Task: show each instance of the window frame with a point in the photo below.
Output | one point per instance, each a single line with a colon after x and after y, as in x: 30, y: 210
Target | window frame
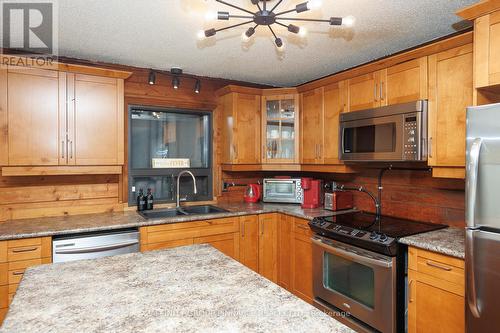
x: 167, y: 172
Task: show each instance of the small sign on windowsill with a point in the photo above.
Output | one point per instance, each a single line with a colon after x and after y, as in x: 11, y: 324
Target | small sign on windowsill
x: 170, y: 163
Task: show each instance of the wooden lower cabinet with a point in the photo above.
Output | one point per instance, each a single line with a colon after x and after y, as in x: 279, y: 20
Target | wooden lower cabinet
x: 249, y: 241
x: 223, y: 234
x: 436, y: 292
x: 15, y: 257
x: 284, y: 250
x: 301, y: 244
x: 268, y: 246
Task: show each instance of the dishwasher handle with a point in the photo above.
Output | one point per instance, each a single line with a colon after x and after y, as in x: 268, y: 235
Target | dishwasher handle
x: 97, y: 248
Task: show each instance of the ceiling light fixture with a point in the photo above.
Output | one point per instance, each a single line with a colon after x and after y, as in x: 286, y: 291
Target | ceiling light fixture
x: 176, y: 72
x: 268, y: 17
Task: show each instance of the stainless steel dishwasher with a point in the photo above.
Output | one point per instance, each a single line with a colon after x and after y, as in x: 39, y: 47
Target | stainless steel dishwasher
x: 94, y: 245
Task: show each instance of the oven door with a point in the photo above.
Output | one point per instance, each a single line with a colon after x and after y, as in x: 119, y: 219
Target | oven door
x: 372, y: 139
x: 282, y: 190
x: 359, y: 282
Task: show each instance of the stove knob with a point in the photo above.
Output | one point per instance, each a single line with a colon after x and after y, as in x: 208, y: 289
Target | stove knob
x: 383, y: 238
x: 373, y: 235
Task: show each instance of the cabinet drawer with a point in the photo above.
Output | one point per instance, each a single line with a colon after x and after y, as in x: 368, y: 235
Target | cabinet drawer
x: 437, y: 265
x: 16, y: 269
x: 24, y: 242
x: 167, y: 233
x: 301, y: 227
x: 24, y: 253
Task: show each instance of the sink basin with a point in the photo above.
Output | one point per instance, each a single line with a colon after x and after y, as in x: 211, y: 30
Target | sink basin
x: 189, y: 210
x: 207, y: 209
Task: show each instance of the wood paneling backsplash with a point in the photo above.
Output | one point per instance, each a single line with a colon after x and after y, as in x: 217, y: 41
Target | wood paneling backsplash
x: 407, y: 194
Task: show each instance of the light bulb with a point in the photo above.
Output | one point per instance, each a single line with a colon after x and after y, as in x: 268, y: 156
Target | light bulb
x: 201, y: 34
x: 211, y: 16
x: 314, y: 4
x: 349, y: 21
x: 302, y: 32
x: 244, y: 37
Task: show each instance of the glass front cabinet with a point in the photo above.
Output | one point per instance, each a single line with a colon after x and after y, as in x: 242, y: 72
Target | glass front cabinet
x: 280, y: 134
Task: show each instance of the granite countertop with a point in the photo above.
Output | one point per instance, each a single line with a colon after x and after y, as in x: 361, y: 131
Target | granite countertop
x: 186, y: 289
x: 449, y: 241
x: 51, y: 226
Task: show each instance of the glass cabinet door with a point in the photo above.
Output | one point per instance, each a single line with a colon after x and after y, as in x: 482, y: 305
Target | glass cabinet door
x: 280, y: 129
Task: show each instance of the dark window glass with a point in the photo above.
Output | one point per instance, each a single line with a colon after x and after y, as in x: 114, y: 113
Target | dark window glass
x: 175, y: 140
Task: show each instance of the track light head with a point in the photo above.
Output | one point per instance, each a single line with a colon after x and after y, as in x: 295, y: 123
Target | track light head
x: 176, y: 83
x: 210, y: 32
x: 335, y: 20
x: 293, y: 28
x: 223, y: 16
x: 197, y: 87
x: 152, y: 77
x: 301, y: 7
x: 279, y: 43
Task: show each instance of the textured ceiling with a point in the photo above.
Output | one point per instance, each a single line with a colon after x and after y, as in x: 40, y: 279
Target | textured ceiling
x: 162, y: 34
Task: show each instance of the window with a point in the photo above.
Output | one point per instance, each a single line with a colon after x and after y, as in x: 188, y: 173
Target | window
x: 163, y: 142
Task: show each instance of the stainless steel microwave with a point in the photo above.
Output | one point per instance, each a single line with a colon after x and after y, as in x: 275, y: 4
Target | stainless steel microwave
x: 286, y: 190
x: 389, y: 133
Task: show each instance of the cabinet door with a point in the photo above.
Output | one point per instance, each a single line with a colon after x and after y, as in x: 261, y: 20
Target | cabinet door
x: 432, y: 309
x: 225, y: 243
x: 249, y: 241
x: 364, y: 92
x: 284, y: 250
x: 450, y: 92
x: 312, y: 126
x: 246, y: 134
x: 487, y: 50
x: 34, y: 109
x: 268, y: 246
x: 335, y: 99
x: 96, y: 135
x: 406, y: 82
x: 302, y: 260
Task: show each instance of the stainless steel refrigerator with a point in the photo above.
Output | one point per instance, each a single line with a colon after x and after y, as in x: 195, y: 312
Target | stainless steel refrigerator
x: 482, y: 241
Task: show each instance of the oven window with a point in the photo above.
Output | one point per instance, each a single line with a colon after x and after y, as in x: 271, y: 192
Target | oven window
x: 370, y: 139
x: 349, y: 278
x: 280, y: 190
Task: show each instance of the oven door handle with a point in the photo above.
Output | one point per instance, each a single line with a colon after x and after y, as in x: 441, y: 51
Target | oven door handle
x: 351, y: 255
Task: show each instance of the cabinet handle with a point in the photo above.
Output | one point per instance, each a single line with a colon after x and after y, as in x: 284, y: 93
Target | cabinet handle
x: 444, y: 268
x: 320, y: 148
x: 71, y: 149
x: 18, y: 273
x: 263, y: 152
x: 25, y: 250
x: 243, y: 230
x: 429, y: 149
x: 262, y: 229
x: 375, y: 92
x: 300, y: 226
x: 382, y: 91
x: 62, y: 148
x: 410, y: 298
x: 235, y: 152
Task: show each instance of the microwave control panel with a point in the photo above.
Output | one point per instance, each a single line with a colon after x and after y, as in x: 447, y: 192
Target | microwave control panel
x: 411, y: 141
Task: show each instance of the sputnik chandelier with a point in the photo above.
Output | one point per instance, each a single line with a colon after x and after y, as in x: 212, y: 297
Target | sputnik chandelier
x: 270, y: 17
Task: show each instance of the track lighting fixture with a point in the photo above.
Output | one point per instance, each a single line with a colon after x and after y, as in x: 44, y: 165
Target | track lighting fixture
x: 152, y: 77
x: 269, y: 17
x: 197, y: 86
x: 176, y: 72
x: 176, y: 82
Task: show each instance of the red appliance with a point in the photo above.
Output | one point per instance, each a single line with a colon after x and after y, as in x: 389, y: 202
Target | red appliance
x: 252, y: 193
x: 313, y: 193
x: 339, y: 200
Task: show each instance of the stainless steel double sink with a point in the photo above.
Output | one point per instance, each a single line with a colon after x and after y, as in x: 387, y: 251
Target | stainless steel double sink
x: 184, y: 211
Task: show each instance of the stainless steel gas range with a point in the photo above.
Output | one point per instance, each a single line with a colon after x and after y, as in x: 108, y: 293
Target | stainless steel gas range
x: 359, y: 268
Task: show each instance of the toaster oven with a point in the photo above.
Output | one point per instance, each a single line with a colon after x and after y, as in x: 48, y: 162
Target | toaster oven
x: 286, y: 190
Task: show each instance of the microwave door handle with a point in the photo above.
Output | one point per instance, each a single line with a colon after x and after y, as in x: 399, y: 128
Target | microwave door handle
x: 353, y: 256
x: 471, y: 182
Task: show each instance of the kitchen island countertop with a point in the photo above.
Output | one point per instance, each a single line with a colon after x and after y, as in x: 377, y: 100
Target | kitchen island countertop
x: 187, y: 289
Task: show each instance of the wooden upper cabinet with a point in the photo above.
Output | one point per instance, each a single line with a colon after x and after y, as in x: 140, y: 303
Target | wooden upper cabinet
x: 34, y: 110
x: 405, y: 82
x: 487, y: 50
x: 335, y: 99
x: 312, y: 126
x: 450, y: 92
x: 241, y: 125
x: 364, y: 91
x: 53, y: 118
x: 96, y: 130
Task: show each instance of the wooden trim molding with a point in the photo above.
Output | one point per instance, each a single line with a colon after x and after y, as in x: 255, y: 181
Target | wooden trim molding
x: 238, y: 89
x: 481, y: 8
x: 60, y: 170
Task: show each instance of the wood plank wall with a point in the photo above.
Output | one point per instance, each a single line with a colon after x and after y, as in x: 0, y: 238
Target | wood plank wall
x: 32, y: 197
x: 406, y: 194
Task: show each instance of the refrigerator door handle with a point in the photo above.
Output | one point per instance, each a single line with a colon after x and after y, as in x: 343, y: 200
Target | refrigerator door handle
x: 471, y: 183
x: 471, y: 280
